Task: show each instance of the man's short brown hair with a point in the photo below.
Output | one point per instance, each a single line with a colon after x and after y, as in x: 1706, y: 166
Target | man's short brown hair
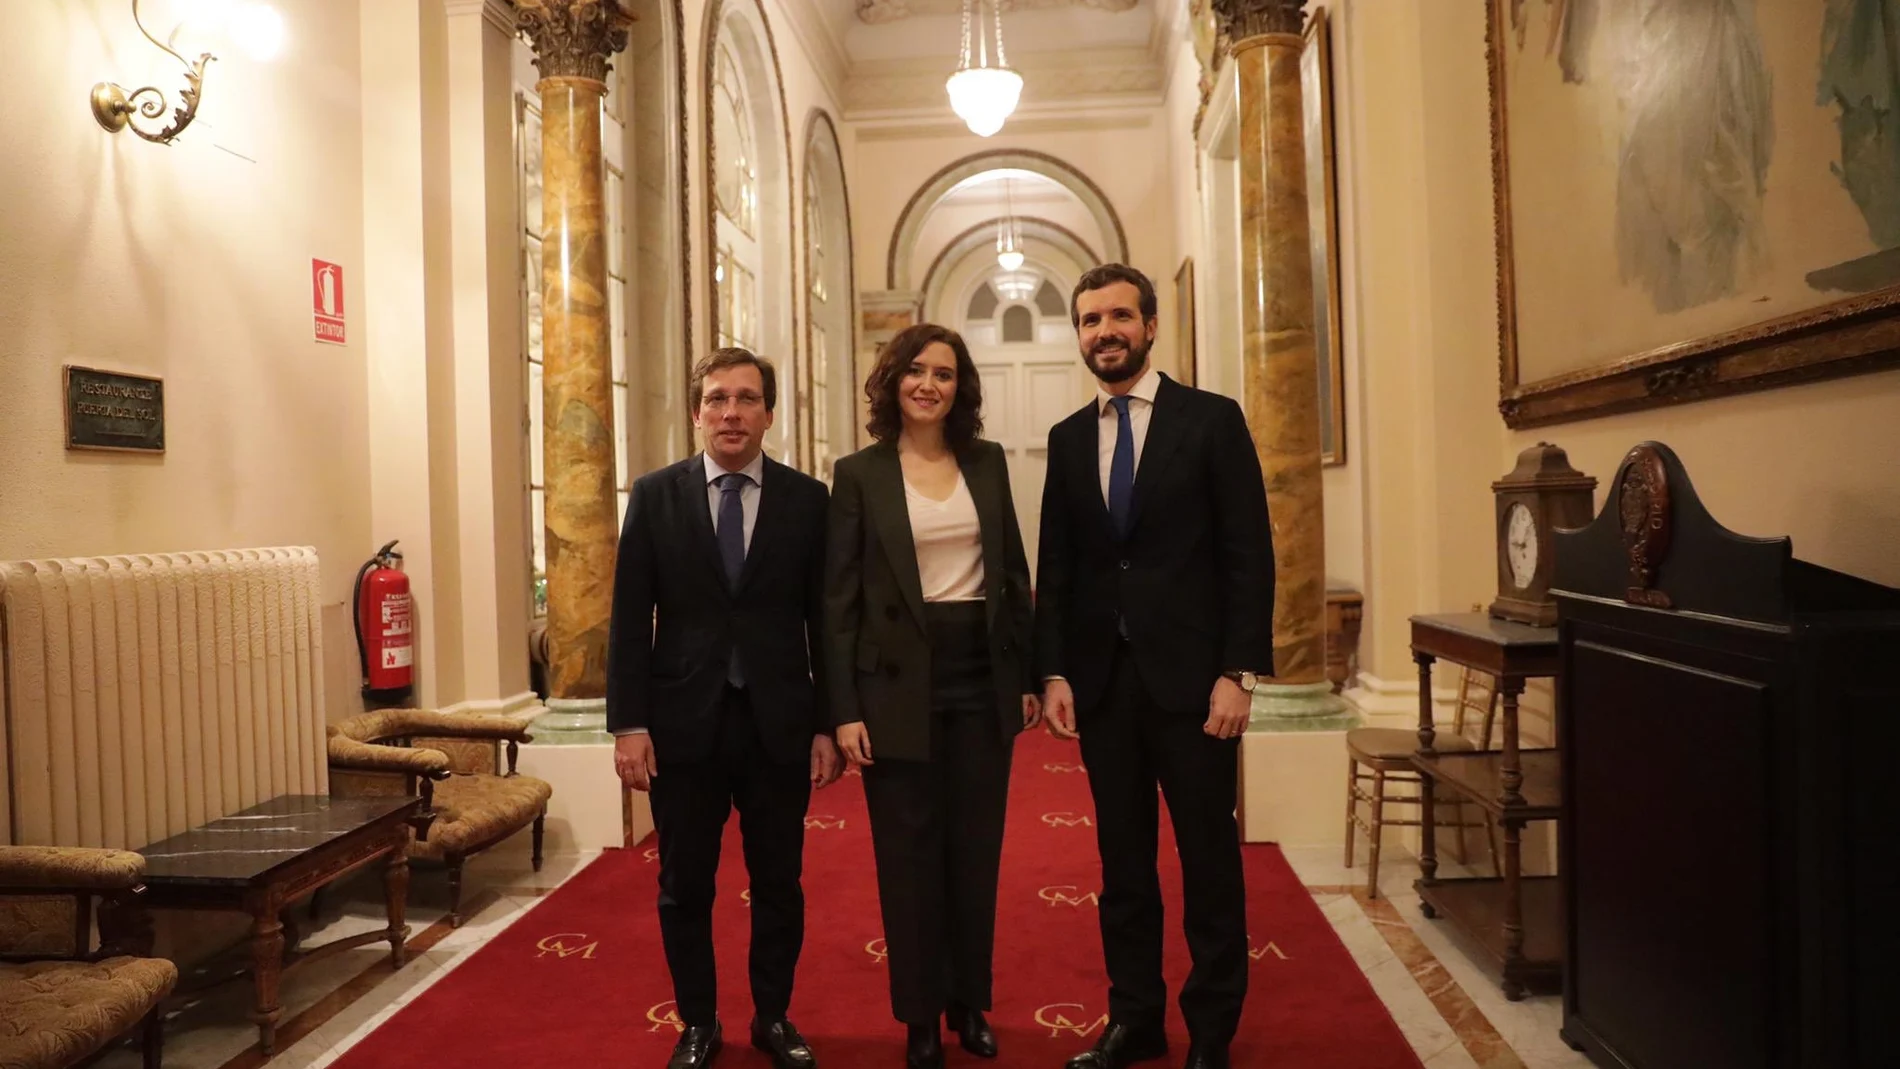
x: 733, y: 356
x: 1107, y: 275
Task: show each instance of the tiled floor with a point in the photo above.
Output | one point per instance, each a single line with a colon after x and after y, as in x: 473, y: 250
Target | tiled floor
x: 1448, y: 1007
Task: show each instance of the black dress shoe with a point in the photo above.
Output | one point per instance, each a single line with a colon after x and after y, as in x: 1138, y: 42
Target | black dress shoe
x: 696, y: 1047
x: 1208, y: 1057
x: 1122, y: 1045
x: 924, y: 1048
x: 782, y: 1041
x: 973, y: 1032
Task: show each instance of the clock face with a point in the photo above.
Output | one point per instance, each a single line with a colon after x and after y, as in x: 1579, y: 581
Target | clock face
x: 1520, y: 544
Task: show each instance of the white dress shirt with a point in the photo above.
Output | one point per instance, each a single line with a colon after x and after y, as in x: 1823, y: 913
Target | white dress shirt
x: 1140, y: 411
x: 748, y: 494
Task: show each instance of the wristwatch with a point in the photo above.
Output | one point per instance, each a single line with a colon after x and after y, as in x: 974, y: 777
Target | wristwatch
x: 1247, y: 681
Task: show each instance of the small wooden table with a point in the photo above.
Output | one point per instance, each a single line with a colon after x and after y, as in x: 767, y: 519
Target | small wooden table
x: 1517, y: 920
x: 261, y: 860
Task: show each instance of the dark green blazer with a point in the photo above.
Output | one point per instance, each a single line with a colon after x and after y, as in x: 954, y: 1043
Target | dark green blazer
x: 877, y: 648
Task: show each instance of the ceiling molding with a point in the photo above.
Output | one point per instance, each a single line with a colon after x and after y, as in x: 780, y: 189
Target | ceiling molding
x: 892, y: 87
x: 877, y: 12
x: 821, y: 45
x: 1065, y: 121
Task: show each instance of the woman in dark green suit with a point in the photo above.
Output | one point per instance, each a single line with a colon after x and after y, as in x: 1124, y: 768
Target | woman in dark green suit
x: 927, y: 627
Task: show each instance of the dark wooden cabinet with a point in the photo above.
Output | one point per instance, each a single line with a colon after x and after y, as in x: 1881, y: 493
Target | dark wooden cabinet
x: 1726, y: 715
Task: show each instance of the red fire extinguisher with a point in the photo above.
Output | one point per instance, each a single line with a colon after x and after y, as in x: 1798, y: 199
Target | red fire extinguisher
x: 385, y: 635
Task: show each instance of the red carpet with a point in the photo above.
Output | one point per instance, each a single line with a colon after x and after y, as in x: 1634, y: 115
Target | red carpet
x: 581, y: 980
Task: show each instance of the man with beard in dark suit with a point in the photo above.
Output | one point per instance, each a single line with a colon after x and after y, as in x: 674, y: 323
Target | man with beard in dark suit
x: 1154, y: 621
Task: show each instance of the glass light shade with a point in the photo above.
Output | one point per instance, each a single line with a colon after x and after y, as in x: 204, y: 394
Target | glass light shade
x: 258, y: 30
x: 1016, y: 285
x: 1009, y: 261
x: 983, y: 97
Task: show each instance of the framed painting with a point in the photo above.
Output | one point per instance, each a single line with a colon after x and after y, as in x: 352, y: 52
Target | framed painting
x: 1184, y: 344
x: 1691, y: 199
x: 1322, y: 217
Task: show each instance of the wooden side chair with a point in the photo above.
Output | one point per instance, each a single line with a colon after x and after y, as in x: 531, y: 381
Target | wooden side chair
x: 1384, y: 757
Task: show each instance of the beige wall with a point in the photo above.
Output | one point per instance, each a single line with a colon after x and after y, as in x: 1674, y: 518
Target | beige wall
x: 190, y: 262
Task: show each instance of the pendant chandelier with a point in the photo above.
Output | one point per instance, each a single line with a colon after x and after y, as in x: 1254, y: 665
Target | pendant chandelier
x: 1009, y: 236
x: 1016, y: 285
x: 982, y: 94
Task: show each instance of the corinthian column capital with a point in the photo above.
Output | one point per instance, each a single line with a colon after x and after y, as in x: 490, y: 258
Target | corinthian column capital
x: 574, y: 38
x: 1241, y: 19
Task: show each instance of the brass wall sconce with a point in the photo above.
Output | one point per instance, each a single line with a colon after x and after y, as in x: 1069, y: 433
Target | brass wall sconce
x: 255, y: 28
x: 115, y: 108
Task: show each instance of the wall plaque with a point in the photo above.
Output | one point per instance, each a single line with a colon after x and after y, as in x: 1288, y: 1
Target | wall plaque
x: 111, y: 410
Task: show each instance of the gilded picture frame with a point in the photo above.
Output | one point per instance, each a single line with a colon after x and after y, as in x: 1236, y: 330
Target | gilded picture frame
x: 1678, y: 224
x: 1322, y: 213
x: 1186, y: 349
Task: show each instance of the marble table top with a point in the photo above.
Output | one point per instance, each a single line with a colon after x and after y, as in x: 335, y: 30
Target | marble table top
x: 243, y: 846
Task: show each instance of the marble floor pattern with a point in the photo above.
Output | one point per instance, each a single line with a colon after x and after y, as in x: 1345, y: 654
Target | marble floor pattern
x: 1444, y: 1002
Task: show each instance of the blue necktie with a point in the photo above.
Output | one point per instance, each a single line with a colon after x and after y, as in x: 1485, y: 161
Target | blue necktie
x: 731, y: 539
x: 1121, y: 469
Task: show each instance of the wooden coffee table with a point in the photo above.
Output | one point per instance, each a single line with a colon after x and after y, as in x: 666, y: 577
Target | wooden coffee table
x: 261, y: 860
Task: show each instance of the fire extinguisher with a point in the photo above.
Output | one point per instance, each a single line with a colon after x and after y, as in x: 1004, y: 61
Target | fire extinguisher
x: 385, y: 628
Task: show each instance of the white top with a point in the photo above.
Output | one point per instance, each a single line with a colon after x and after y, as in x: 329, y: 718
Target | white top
x: 748, y: 494
x: 1140, y: 410
x: 949, y: 541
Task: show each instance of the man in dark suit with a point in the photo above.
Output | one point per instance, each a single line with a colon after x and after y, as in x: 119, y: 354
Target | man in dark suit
x: 714, y: 688
x: 1154, y: 620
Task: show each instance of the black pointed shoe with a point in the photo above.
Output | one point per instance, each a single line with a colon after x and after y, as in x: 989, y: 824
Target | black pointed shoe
x: 782, y: 1041
x: 696, y: 1047
x: 1206, y: 1057
x: 973, y: 1032
x: 924, y: 1048
x: 1122, y: 1045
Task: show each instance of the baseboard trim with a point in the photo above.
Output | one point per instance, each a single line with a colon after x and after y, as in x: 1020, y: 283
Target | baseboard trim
x: 514, y: 703
x: 1390, y: 703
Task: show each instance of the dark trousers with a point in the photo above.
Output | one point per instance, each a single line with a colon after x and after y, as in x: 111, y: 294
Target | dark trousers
x: 690, y: 805
x: 937, y: 831
x: 1130, y: 744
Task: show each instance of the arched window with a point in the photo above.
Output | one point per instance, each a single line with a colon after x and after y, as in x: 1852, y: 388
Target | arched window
x: 983, y: 303
x: 1049, y: 302
x: 736, y: 192
x: 1019, y: 325
x: 737, y: 184
x: 751, y: 210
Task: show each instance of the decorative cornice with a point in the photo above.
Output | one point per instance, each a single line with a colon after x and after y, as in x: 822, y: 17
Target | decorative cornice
x: 880, y: 87
x: 1241, y: 19
x: 499, y: 13
x: 574, y: 38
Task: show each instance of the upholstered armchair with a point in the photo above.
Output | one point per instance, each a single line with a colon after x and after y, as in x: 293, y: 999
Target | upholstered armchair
x: 452, y: 761
x: 61, y: 1001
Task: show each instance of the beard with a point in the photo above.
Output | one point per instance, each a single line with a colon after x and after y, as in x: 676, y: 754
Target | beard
x: 1133, y: 364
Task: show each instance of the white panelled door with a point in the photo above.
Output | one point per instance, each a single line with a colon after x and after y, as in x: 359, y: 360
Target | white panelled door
x: 1028, y: 389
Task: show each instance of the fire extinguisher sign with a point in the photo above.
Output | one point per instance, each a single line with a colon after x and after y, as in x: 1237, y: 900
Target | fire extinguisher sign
x: 326, y: 300
x: 398, y: 634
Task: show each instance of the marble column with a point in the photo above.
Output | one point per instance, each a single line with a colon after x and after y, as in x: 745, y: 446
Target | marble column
x: 1280, y: 371
x: 574, y: 41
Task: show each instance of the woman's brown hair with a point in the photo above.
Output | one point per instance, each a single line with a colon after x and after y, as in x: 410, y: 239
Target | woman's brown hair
x: 963, y: 425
